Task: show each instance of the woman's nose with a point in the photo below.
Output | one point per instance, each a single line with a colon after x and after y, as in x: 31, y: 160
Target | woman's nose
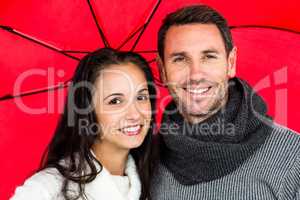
x: 132, y: 113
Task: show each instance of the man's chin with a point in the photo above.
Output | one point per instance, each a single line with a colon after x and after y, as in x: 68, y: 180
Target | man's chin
x: 195, y: 110
x: 203, y: 109
x: 197, y: 113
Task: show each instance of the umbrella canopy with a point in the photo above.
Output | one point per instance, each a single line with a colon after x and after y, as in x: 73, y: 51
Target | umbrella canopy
x: 42, y: 41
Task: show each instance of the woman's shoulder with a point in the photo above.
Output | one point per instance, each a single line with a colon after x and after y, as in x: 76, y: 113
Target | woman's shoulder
x: 43, y: 185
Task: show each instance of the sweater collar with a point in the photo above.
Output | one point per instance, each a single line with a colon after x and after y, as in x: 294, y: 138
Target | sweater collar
x: 105, y: 178
x: 211, y: 149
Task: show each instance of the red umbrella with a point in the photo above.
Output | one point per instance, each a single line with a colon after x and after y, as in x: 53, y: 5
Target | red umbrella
x: 41, y: 42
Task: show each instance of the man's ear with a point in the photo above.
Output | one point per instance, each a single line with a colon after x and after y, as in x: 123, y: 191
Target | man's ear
x: 162, y: 72
x: 231, y: 71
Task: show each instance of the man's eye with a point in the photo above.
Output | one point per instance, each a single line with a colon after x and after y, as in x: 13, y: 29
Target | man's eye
x: 179, y: 59
x: 142, y: 97
x: 210, y: 57
x: 115, y: 101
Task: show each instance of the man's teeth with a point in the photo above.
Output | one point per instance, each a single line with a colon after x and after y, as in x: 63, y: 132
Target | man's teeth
x: 131, y: 129
x: 198, y: 91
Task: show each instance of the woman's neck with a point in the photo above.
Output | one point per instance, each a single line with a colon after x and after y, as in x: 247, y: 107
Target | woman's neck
x: 112, y: 158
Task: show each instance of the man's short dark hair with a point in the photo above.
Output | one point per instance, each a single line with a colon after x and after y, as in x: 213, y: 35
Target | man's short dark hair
x: 201, y: 14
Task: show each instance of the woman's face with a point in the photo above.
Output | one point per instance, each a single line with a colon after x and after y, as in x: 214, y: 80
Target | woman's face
x: 122, y: 106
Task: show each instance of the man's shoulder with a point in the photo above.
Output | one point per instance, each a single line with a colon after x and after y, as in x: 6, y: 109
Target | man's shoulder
x: 283, y: 142
x: 288, y: 146
x: 286, y: 134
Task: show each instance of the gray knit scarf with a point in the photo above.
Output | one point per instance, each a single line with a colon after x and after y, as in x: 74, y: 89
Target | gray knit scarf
x: 203, y: 152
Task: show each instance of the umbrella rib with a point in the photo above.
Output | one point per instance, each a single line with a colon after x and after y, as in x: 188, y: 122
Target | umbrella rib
x: 265, y: 26
x: 73, y: 51
x: 36, y: 41
x: 146, y: 24
x: 130, y: 37
x: 104, y: 40
x: 151, y: 61
x: 37, y: 91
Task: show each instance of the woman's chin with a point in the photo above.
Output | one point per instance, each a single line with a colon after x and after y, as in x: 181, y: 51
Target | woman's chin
x: 133, y: 141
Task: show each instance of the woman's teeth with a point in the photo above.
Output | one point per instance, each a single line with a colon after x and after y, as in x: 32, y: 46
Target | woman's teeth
x: 131, y: 129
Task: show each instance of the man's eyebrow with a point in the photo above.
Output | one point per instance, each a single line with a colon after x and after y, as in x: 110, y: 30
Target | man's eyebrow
x: 182, y: 53
x: 208, y: 51
x: 114, y: 94
x: 177, y: 54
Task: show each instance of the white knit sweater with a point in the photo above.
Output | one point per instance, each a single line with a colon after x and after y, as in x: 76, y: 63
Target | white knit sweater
x: 46, y: 185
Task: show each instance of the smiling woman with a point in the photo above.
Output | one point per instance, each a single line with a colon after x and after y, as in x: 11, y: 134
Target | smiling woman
x: 123, y: 113
x: 102, y: 145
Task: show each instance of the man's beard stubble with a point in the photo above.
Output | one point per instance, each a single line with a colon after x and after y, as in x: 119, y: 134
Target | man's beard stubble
x: 220, y: 99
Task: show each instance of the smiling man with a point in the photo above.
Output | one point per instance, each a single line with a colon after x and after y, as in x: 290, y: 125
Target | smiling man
x: 216, y: 140
x: 197, y: 69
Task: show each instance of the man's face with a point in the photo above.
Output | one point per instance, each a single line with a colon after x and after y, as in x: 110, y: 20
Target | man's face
x: 196, y: 69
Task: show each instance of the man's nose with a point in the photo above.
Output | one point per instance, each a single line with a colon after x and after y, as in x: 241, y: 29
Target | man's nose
x: 196, y: 70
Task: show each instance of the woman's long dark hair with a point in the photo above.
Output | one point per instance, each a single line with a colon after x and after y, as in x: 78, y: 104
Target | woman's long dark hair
x: 73, y: 145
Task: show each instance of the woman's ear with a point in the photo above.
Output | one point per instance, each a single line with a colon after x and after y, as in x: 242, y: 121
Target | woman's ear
x: 231, y: 71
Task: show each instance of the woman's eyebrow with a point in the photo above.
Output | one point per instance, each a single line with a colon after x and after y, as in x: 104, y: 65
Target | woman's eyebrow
x: 114, y: 94
x: 142, y: 90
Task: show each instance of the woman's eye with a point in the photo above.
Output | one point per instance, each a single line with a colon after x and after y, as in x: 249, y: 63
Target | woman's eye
x: 142, y: 97
x: 115, y: 101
